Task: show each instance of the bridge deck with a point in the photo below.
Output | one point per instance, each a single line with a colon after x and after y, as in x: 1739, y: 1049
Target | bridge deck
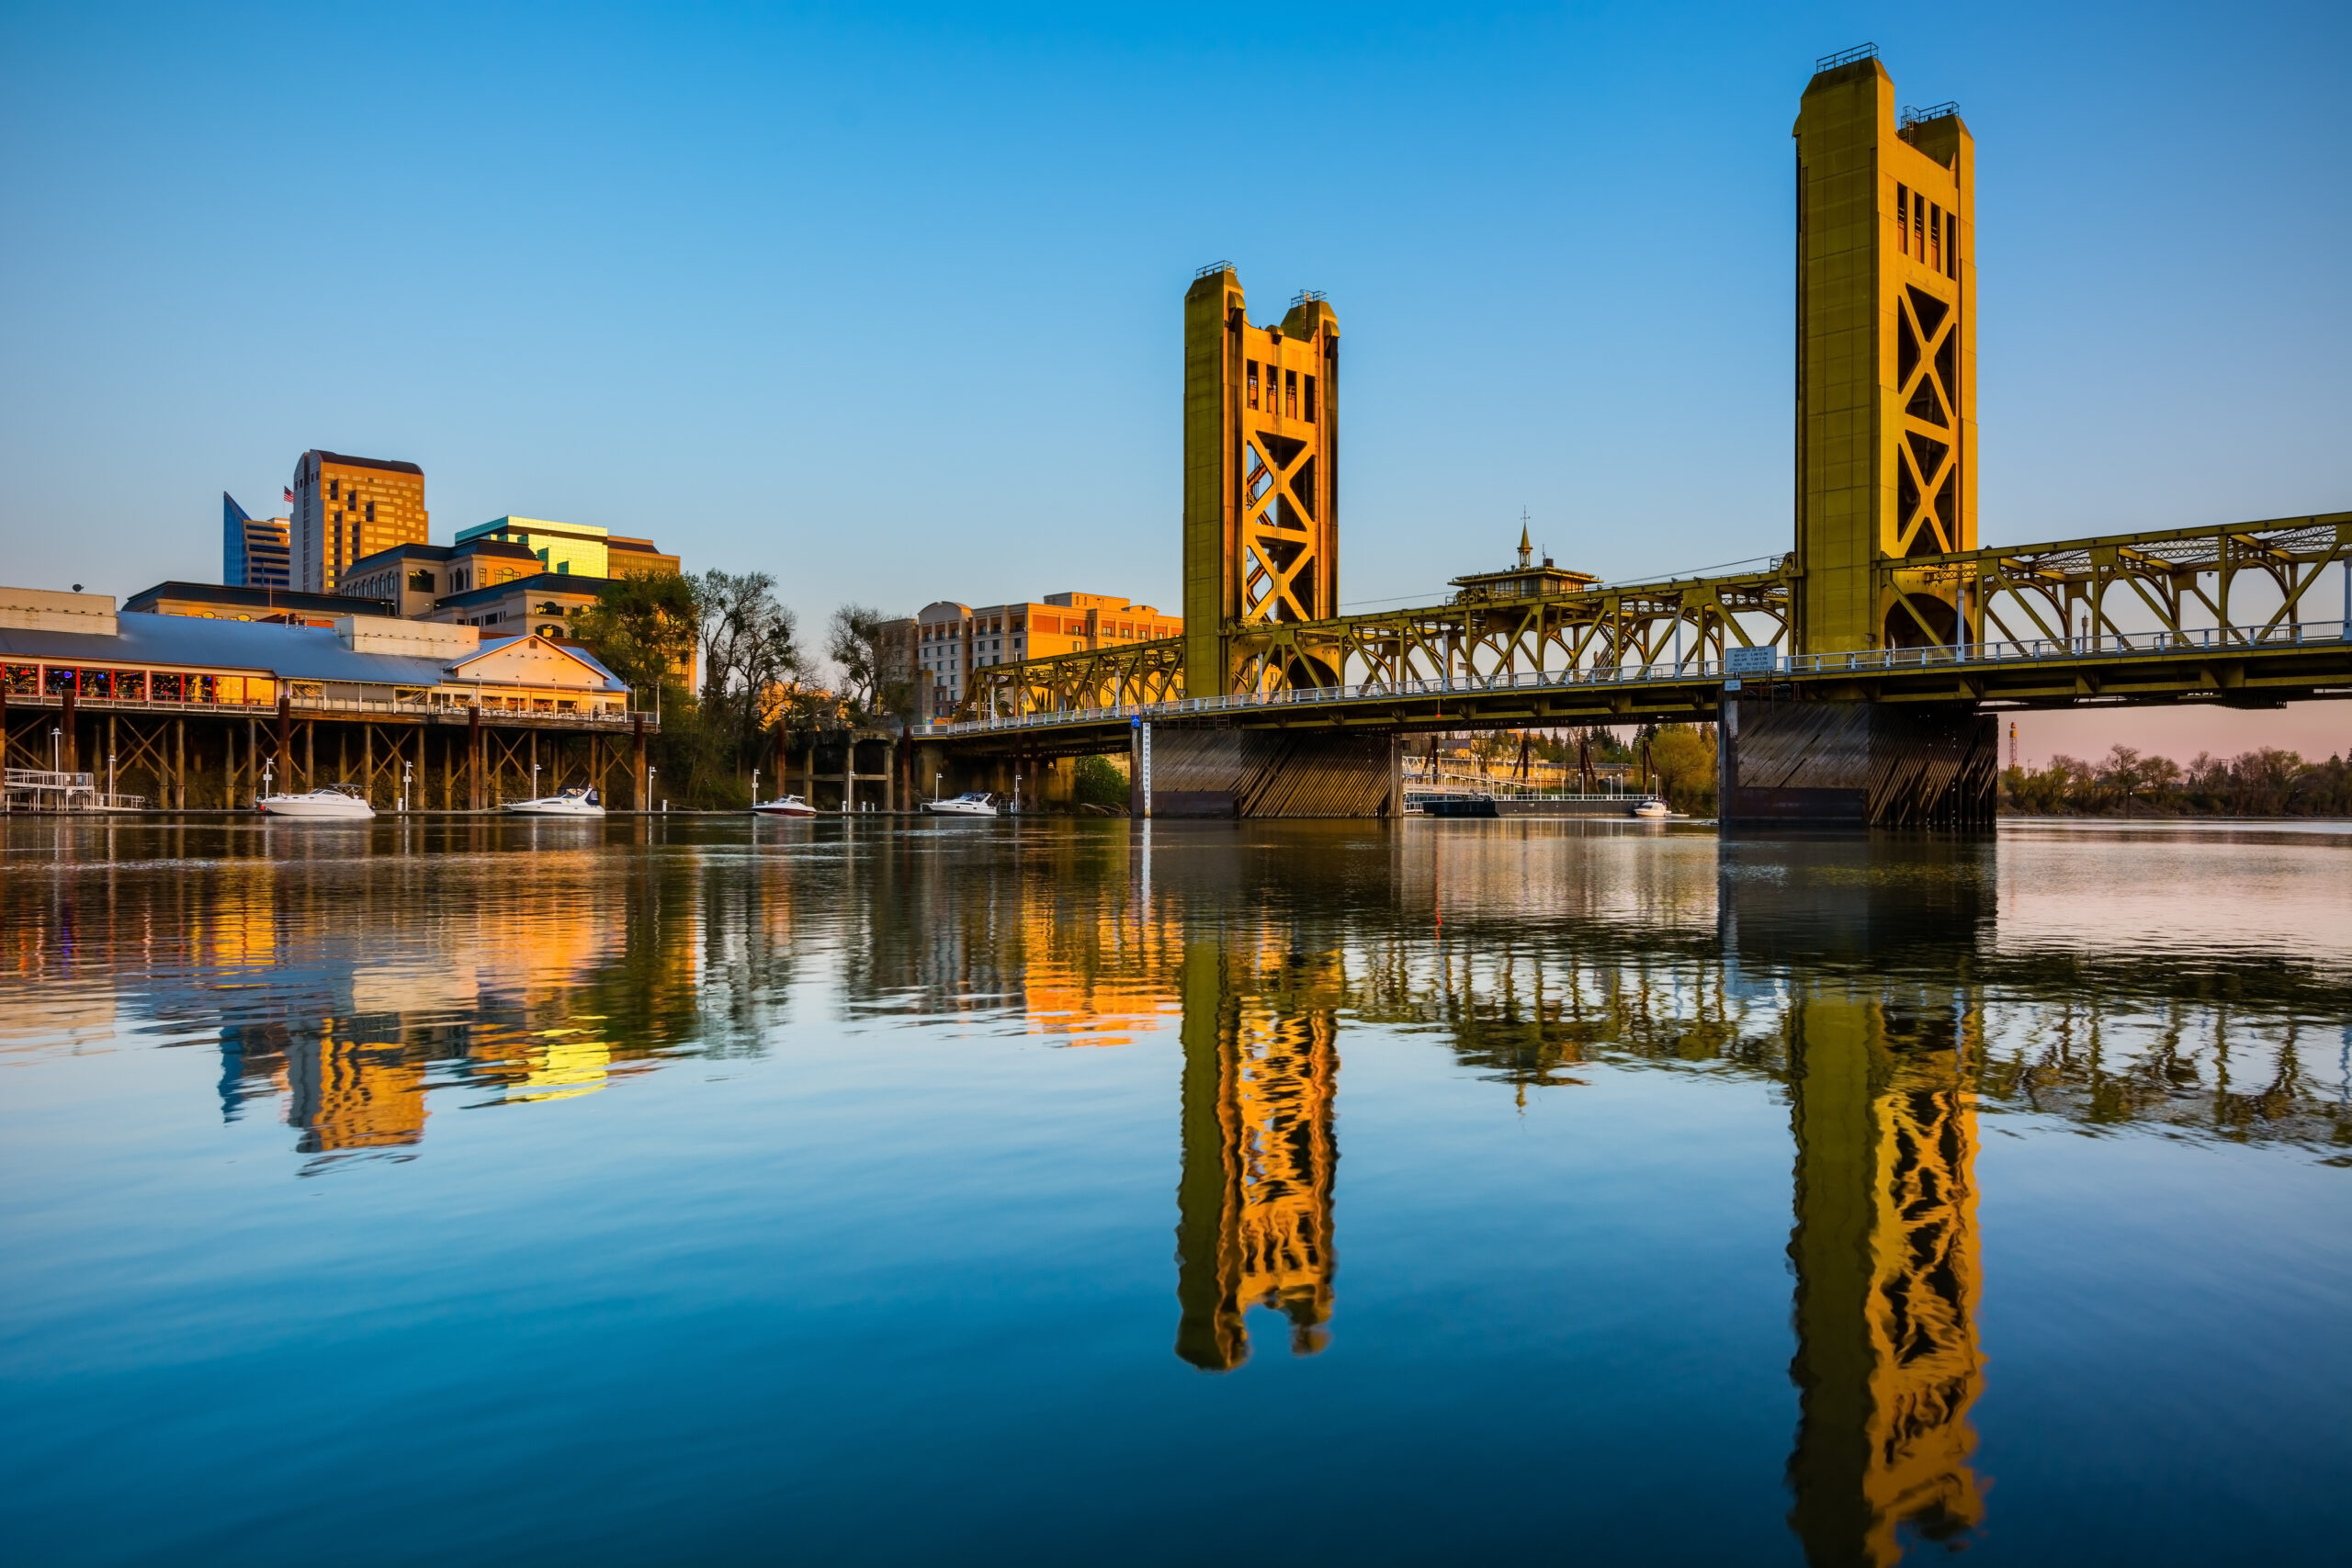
x: 2219, y: 665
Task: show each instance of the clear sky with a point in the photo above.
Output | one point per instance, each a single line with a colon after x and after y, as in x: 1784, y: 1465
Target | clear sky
x: 888, y: 301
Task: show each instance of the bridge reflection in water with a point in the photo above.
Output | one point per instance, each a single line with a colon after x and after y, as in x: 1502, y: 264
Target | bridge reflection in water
x: 1261, y: 1070
x: 361, y: 981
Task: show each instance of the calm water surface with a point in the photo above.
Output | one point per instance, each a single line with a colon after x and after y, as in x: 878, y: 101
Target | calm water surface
x: 845, y: 1193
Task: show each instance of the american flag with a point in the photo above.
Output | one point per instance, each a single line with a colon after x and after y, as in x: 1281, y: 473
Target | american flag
x: 290, y: 495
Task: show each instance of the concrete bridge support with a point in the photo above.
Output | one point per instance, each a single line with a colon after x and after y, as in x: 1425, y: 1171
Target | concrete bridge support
x: 1857, y: 765
x: 1185, y: 771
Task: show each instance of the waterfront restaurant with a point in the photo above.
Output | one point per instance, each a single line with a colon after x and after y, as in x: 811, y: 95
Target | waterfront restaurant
x: 75, y: 646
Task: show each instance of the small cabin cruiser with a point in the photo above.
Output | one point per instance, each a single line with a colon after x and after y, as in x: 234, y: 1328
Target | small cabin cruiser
x: 1652, y: 806
x: 335, y: 804
x: 783, y: 806
x: 578, y: 801
x: 972, y: 803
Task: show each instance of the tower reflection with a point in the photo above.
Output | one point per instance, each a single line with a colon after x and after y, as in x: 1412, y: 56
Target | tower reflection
x: 1885, y: 1238
x: 1261, y: 1073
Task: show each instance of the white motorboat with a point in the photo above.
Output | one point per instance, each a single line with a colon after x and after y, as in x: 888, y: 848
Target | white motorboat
x: 578, y: 801
x: 1652, y: 806
x: 972, y: 803
x: 330, y: 804
x: 783, y: 806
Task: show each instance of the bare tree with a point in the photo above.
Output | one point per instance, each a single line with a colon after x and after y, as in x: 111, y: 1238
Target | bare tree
x: 875, y: 676
x: 751, y: 651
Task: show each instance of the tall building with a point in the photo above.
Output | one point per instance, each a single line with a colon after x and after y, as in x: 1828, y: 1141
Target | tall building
x: 346, y: 508
x: 1887, y: 359
x: 253, y: 550
x: 953, y: 639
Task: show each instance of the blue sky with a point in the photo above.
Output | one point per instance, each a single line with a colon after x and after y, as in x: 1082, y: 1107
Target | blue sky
x: 887, y: 301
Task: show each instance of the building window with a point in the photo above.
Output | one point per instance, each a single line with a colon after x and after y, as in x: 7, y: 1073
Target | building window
x: 1253, y: 383
x: 371, y: 512
x: 1310, y: 400
x: 1290, y: 394
x: 1903, y: 219
x: 334, y: 490
x: 421, y: 582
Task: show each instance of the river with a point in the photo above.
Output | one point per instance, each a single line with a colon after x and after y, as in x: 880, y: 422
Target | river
x: 860, y: 1191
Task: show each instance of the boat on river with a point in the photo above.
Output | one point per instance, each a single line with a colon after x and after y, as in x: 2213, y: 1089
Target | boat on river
x: 972, y: 803
x: 335, y: 803
x: 1651, y: 806
x: 783, y: 806
x: 579, y: 801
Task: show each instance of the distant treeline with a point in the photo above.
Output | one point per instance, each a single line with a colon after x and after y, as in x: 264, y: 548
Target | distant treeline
x: 2267, y: 783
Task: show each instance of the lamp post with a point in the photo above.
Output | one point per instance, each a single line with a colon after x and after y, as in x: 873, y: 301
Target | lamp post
x: 268, y: 771
x: 534, y: 776
x: 755, y: 786
x: 650, y: 774
x: 56, y: 749
x: 109, y: 778
x: 934, y: 783
x: 407, y: 768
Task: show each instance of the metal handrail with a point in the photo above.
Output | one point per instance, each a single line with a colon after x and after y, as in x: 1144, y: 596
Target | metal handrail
x: 618, y: 718
x: 2098, y: 645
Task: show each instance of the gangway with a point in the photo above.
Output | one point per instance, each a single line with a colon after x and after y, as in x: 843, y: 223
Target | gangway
x: 39, y: 789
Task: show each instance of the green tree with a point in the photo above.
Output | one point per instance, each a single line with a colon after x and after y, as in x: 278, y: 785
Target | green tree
x: 644, y: 629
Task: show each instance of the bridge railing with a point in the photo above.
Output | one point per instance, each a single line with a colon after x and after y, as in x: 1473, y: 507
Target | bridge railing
x: 1694, y: 671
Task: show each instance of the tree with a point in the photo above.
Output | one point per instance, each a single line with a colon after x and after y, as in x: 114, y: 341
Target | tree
x: 751, y: 654
x: 874, y: 677
x: 644, y: 628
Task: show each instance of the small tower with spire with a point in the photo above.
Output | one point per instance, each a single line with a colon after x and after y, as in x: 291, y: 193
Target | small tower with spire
x: 1529, y: 579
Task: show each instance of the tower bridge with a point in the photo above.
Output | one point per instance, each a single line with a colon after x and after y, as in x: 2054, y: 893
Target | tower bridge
x: 1855, y: 681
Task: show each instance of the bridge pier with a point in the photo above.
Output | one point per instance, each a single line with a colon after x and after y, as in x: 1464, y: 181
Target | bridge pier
x: 1856, y: 766
x: 1200, y: 771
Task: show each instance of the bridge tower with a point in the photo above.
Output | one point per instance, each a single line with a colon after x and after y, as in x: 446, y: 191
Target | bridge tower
x: 1886, y: 362
x: 1261, y: 493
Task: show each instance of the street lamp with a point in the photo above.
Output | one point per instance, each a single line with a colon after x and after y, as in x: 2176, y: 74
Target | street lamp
x: 407, y: 768
x: 56, y: 749
x: 109, y: 777
x: 650, y: 770
x: 535, y: 780
x: 268, y: 771
x: 755, y: 786
x: 934, y: 783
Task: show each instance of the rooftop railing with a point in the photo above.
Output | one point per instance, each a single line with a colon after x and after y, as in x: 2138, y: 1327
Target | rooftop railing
x: 1747, y: 663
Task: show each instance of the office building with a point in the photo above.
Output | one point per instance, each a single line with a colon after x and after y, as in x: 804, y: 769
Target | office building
x: 953, y: 639
x: 231, y: 601
x: 416, y: 578
x: 508, y: 575
x: 346, y: 509
x: 574, y: 549
x: 254, y: 550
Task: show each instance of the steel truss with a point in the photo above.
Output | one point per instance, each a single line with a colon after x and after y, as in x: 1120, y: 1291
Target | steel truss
x: 2246, y: 582
x: 2239, y: 586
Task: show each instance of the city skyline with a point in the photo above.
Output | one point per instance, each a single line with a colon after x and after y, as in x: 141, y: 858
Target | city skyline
x: 770, y: 319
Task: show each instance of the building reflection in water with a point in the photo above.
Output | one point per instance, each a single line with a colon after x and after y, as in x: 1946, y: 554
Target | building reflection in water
x: 1262, y: 1074
x: 1884, y: 1243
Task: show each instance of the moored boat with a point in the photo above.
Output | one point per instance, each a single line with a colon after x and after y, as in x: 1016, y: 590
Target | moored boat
x: 578, y: 801
x: 1651, y: 806
x: 783, y: 806
x: 972, y: 803
x: 333, y: 804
